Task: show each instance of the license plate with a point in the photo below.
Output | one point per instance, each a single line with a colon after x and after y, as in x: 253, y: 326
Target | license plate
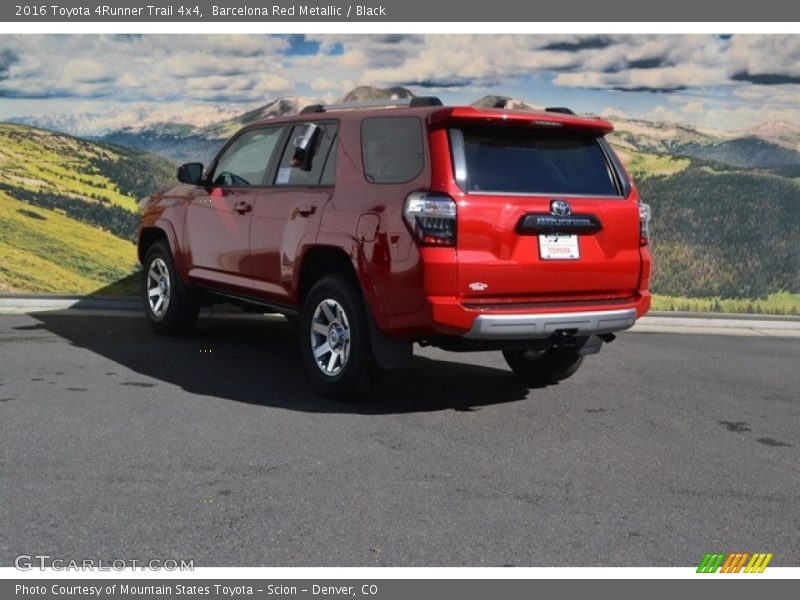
x: 559, y: 247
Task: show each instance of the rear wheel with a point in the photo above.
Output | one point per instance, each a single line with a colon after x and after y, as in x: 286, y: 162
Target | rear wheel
x: 334, y: 341
x: 542, y: 367
x: 167, y: 303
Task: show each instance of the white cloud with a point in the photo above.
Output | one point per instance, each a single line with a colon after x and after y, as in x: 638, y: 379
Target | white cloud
x: 694, y: 107
x: 771, y: 95
x: 154, y: 67
x: 657, y: 79
x: 331, y: 85
x: 765, y: 55
x: 720, y: 117
x: 723, y: 77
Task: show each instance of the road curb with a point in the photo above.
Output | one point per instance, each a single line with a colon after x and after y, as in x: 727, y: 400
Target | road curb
x: 67, y: 301
x: 713, y: 326
x: 654, y: 322
x: 20, y: 303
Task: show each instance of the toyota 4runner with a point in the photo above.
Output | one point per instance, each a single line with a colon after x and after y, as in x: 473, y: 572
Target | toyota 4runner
x: 374, y: 226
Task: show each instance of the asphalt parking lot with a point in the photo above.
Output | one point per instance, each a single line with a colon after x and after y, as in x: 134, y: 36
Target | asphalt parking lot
x: 120, y: 444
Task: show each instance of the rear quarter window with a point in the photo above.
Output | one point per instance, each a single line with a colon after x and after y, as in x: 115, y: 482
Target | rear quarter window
x: 391, y: 149
x: 522, y: 160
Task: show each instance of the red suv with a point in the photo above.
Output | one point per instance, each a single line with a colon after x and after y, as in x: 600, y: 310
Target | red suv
x: 376, y: 226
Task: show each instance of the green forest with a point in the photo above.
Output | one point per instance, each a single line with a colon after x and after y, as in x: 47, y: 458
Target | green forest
x: 725, y: 233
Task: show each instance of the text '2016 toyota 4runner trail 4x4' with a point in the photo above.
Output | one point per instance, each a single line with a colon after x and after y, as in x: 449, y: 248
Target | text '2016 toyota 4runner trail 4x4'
x: 376, y: 226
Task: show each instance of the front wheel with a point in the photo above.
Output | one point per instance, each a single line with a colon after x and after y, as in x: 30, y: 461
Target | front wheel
x: 167, y: 303
x: 334, y: 341
x: 543, y: 367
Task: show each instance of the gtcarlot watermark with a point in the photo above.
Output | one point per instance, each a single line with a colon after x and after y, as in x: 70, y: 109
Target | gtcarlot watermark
x: 29, y: 562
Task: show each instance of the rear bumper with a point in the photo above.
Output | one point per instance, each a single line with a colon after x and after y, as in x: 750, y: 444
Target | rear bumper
x: 450, y: 317
x: 538, y: 326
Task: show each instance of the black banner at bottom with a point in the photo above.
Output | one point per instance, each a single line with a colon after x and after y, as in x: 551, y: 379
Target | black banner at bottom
x: 390, y: 589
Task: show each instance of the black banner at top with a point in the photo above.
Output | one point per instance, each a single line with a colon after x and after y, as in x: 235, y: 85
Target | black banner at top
x: 393, y: 11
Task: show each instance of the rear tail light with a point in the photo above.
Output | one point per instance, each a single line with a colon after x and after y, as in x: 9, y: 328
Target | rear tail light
x: 431, y: 218
x: 644, y: 224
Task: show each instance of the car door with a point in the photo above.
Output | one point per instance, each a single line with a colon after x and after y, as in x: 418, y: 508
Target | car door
x: 218, y: 218
x: 286, y: 216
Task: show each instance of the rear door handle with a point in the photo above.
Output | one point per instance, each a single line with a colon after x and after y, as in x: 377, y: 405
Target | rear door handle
x: 242, y: 207
x: 306, y: 211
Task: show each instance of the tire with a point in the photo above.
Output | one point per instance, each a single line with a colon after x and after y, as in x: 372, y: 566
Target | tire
x: 334, y: 341
x: 543, y: 367
x: 168, y: 305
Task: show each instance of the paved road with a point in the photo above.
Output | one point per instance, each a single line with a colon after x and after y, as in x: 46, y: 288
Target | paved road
x: 115, y: 443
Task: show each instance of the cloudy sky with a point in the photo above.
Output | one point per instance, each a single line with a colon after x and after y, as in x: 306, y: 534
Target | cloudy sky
x: 715, y: 81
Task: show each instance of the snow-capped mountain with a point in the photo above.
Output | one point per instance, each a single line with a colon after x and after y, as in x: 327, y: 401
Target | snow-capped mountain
x: 658, y: 137
x: 184, y: 141
x: 281, y: 107
x: 781, y: 133
x: 98, y: 124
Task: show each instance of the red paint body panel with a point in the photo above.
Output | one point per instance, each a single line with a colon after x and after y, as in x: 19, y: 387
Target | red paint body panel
x: 285, y: 220
x: 217, y: 237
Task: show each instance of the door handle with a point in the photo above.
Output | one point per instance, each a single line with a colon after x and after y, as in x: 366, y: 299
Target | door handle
x: 242, y: 207
x: 306, y: 211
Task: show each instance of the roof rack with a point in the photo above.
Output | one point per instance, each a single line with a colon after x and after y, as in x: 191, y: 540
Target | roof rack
x: 410, y: 102
x: 560, y: 109
x: 503, y: 103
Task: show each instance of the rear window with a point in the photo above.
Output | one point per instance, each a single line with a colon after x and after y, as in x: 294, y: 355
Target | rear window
x: 522, y: 160
x: 392, y: 149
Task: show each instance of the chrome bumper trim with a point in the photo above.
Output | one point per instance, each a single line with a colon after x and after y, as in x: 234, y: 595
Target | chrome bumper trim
x: 537, y: 326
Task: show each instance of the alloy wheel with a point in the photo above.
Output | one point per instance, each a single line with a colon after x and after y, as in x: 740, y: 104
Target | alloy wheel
x: 158, y: 287
x: 330, y: 337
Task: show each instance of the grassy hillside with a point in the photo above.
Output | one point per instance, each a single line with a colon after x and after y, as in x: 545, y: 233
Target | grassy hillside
x: 68, y: 210
x: 45, y: 251
x: 643, y: 165
x: 779, y: 303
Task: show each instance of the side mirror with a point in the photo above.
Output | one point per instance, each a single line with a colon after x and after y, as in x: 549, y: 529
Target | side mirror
x: 191, y: 173
x: 304, y: 147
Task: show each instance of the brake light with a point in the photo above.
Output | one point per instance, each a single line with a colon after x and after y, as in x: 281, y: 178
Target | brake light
x: 431, y: 218
x: 644, y: 224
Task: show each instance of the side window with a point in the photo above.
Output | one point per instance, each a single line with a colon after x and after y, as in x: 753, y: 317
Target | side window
x: 291, y: 174
x: 391, y: 148
x: 329, y: 172
x: 245, y: 161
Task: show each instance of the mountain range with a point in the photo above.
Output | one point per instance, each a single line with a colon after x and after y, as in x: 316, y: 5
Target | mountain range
x: 99, y: 123
x: 199, y: 131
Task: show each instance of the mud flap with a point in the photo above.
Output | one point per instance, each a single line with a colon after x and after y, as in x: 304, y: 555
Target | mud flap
x: 389, y: 352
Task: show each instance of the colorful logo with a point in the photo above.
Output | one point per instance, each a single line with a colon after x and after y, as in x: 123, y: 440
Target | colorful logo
x: 734, y: 563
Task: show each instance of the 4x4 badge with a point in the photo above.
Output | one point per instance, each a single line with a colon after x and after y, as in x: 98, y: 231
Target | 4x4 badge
x: 560, y: 208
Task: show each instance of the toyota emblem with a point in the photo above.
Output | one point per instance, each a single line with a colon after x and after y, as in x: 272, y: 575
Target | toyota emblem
x: 560, y: 208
